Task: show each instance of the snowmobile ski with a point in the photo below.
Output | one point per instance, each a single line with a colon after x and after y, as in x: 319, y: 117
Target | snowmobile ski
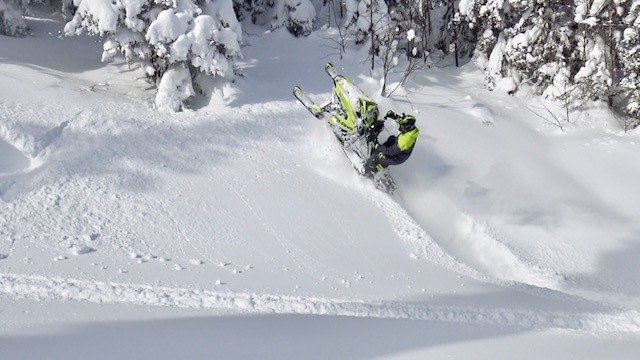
x: 331, y: 71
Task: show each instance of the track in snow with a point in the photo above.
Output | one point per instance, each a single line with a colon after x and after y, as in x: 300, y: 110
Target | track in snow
x: 48, y: 288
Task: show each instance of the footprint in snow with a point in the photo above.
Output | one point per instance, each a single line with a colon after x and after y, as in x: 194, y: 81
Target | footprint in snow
x: 482, y: 113
x: 81, y: 249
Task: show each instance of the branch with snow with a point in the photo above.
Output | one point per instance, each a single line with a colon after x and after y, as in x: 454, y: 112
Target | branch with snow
x: 11, y: 22
x: 296, y: 15
x: 180, y: 37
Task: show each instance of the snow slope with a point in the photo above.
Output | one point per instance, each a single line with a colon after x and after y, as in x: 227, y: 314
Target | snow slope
x: 238, y: 229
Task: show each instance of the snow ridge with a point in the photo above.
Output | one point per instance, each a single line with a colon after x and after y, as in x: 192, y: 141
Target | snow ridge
x: 416, y: 240
x: 42, y: 288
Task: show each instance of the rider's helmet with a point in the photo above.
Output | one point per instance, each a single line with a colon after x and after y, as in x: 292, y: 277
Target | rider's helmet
x: 367, y: 111
x: 407, y: 122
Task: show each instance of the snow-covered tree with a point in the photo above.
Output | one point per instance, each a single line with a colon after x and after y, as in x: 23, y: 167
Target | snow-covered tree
x: 596, y: 78
x: 11, y: 21
x: 350, y: 12
x: 527, y: 41
x: 485, y: 17
x: 175, y: 88
x: 178, y: 39
x: 612, y: 54
x: 544, y: 46
x: 241, y: 7
x: 296, y: 15
x: 427, y: 26
x: 578, y: 49
x: 259, y: 9
x: 413, y: 23
x: 256, y: 10
x: 629, y: 52
x: 371, y: 21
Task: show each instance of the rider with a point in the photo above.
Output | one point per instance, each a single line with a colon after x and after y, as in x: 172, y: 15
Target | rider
x: 396, y: 149
x: 360, y: 112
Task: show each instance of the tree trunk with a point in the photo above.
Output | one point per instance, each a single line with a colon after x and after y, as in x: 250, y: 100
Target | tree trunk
x: 426, y: 28
x: 372, y: 34
x: 455, y: 43
x: 612, y: 50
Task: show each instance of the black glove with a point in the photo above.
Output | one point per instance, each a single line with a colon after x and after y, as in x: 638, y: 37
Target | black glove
x: 391, y: 115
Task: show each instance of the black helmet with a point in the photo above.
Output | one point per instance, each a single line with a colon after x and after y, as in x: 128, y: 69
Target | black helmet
x: 406, y: 122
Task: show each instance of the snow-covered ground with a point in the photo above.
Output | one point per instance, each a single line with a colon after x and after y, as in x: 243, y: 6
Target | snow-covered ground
x: 238, y: 230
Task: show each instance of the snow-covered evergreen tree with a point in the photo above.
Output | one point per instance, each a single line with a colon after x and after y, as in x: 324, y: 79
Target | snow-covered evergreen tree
x: 175, y: 88
x: 629, y: 52
x: 486, y: 18
x: 175, y: 38
x: 596, y: 78
x: 528, y: 41
x: 256, y: 10
x: 580, y: 49
x: 242, y: 8
x: 11, y: 21
x: 296, y: 15
x: 259, y: 10
x: 543, y: 47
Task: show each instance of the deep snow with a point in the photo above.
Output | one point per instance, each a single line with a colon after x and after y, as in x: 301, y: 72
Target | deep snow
x: 238, y: 230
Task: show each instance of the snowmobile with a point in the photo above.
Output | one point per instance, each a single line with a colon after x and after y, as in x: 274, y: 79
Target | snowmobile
x: 349, y: 114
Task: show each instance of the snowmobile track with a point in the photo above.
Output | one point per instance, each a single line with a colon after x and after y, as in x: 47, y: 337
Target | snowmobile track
x: 42, y: 288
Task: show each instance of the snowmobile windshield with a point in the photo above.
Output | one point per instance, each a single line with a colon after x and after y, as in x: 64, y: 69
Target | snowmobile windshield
x: 355, y: 104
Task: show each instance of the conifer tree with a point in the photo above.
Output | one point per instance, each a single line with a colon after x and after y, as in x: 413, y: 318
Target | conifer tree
x: 180, y: 39
x: 11, y: 21
x: 629, y: 53
x: 296, y: 15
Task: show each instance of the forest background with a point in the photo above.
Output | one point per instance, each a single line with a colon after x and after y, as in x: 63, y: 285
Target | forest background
x: 573, y: 52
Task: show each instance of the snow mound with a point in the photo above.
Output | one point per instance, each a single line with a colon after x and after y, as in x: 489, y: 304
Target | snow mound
x: 12, y: 159
x: 489, y: 255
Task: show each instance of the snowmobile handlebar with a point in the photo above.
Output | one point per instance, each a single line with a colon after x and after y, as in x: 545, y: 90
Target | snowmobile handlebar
x: 391, y: 115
